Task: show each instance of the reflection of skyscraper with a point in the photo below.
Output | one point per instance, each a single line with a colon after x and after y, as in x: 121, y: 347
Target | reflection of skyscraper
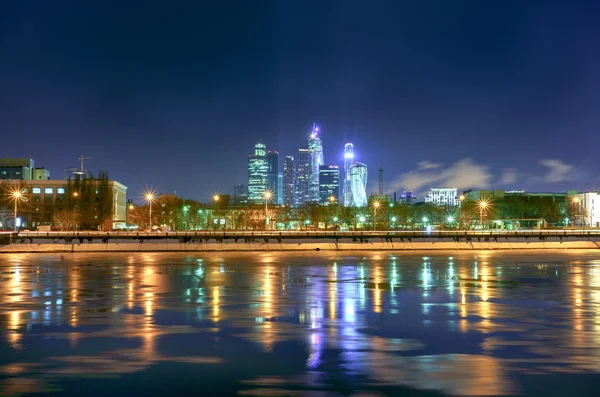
x: 302, y: 177
x: 315, y: 149
x: 348, y: 160
x: 358, y: 184
x: 289, y: 182
x: 258, y: 169
x: 273, y: 175
x: 329, y: 183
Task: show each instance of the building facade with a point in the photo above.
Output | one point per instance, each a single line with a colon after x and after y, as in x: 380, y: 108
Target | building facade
x: 273, y: 175
x: 329, y: 184
x: 315, y: 150
x: 302, y: 177
x: 258, y: 170
x: 358, y: 184
x: 17, y: 168
x: 240, y: 194
x: 409, y: 198
x: 43, y: 200
x: 348, y: 160
x: 289, y: 182
x: 447, y: 197
x: 587, y: 209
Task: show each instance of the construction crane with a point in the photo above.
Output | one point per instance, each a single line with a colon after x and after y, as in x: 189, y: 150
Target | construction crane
x: 78, y: 171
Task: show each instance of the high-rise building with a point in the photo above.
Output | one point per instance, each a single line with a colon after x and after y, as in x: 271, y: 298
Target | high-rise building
x: 445, y: 197
x: 273, y: 175
x: 348, y: 160
x: 258, y: 170
x: 358, y: 184
x: 280, y: 188
x: 315, y: 149
x: 289, y: 182
x: 408, y: 197
x: 302, y: 177
x: 240, y: 194
x: 329, y: 184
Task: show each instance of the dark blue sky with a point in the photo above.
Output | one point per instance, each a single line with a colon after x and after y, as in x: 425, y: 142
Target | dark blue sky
x: 175, y: 94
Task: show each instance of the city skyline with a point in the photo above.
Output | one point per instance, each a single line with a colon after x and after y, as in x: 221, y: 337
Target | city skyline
x: 477, y: 97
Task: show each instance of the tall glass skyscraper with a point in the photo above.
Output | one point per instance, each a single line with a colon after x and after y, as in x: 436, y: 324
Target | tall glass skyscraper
x: 302, y: 177
x: 258, y: 170
x: 329, y: 183
x: 348, y: 160
x: 358, y: 183
x: 289, y: 182
x: 273, y: 175
x: 240, y: 195
x: 315, y: 149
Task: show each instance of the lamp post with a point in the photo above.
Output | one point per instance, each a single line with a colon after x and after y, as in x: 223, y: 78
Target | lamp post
x: 482, y: 206
x: 17, y: 195
x: 149, y: 199
x: 267, y: 195
x: 76, y: 196
x: 376, y: 205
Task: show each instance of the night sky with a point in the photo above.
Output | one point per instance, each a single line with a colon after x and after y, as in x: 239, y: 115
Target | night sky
x: 174, y: 95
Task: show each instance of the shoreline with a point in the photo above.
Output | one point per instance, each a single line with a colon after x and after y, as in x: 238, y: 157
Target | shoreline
x: 305, y: 245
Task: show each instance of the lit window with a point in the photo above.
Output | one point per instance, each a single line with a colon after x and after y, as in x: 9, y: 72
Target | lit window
x: 60, y: 190
x: 48, y: 190
x: 36, y: 190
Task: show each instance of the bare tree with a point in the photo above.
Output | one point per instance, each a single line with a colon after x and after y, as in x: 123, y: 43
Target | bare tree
x: 63, y: 220
x: 6, y: 218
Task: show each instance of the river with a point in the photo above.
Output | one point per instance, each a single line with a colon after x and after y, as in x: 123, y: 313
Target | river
x: 301, y: 324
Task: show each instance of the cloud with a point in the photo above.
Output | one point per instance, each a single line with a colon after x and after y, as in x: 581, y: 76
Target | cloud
x: 558, y: 171
x: 509, y: 176
x: 462, y: 175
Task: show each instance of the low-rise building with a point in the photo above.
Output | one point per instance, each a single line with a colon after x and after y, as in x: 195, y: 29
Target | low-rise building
x: 444, y: 197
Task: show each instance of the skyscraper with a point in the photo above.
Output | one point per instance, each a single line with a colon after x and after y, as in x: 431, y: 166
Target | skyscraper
x: 289, y: 182
x: 358, y: 183
x: 348, y: 160
x: 302, y: 177
x: 315, y: 149
x: 258, y: 169
x: 240, y: 195
x: 329, y: 183
x: 273, y: 175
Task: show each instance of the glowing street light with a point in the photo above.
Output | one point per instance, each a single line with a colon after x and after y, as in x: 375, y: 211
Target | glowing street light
x: 425, y: 219
x: 16, y: 196
x: 376, y: 205
x: 450, y: 219
x: 149, y: 197
x: 483, y: 204
x: 216, y: 198
x: 267, y: 196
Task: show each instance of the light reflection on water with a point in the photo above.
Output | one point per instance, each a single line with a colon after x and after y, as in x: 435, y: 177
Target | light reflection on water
x: 458, y: 323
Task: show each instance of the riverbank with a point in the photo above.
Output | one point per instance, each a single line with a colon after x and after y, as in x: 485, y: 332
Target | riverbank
x: 172, y: 245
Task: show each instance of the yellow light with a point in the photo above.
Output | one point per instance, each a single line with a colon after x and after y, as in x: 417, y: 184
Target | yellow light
x: 17, y: 194
x: 575, y: 199
x: 216, y: 197
x: 131, y: 207
x: 76, y: 194
x: 268, y: 194
x: 149, y: 197
x: 332, y: 198
x: 461, y: 197
x: 376, y: 204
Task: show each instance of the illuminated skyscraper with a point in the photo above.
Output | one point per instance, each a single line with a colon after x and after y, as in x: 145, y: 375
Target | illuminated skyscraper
x: 358, y: 184
x: 329, y: 184
x: 258, y: 170
x: 240, y: 195
x: 348, y: 160
x: 273, y: 175
x: 315, y: 149
x: 289, y: 182
x: 302, y: 177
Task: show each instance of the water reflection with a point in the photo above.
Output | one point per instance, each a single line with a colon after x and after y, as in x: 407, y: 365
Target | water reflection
x: 459, y: 323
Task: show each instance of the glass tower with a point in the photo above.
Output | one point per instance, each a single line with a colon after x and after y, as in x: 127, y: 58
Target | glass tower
x: 273, y: 175
x: 315, y: 149
x: 329, y: 183
x: 348, y: 160
x: 289, y: 182
x: 302, y: 177
x: 358, y: 183
x: 258, y: 170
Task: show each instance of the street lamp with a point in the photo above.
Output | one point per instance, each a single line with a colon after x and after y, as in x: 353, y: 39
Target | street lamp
x: 483, y: 204
x: 149, y: 197
x: 376, y: 205
x: 17, y: 195
x: 76, y: 196
x: 267, y: 196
